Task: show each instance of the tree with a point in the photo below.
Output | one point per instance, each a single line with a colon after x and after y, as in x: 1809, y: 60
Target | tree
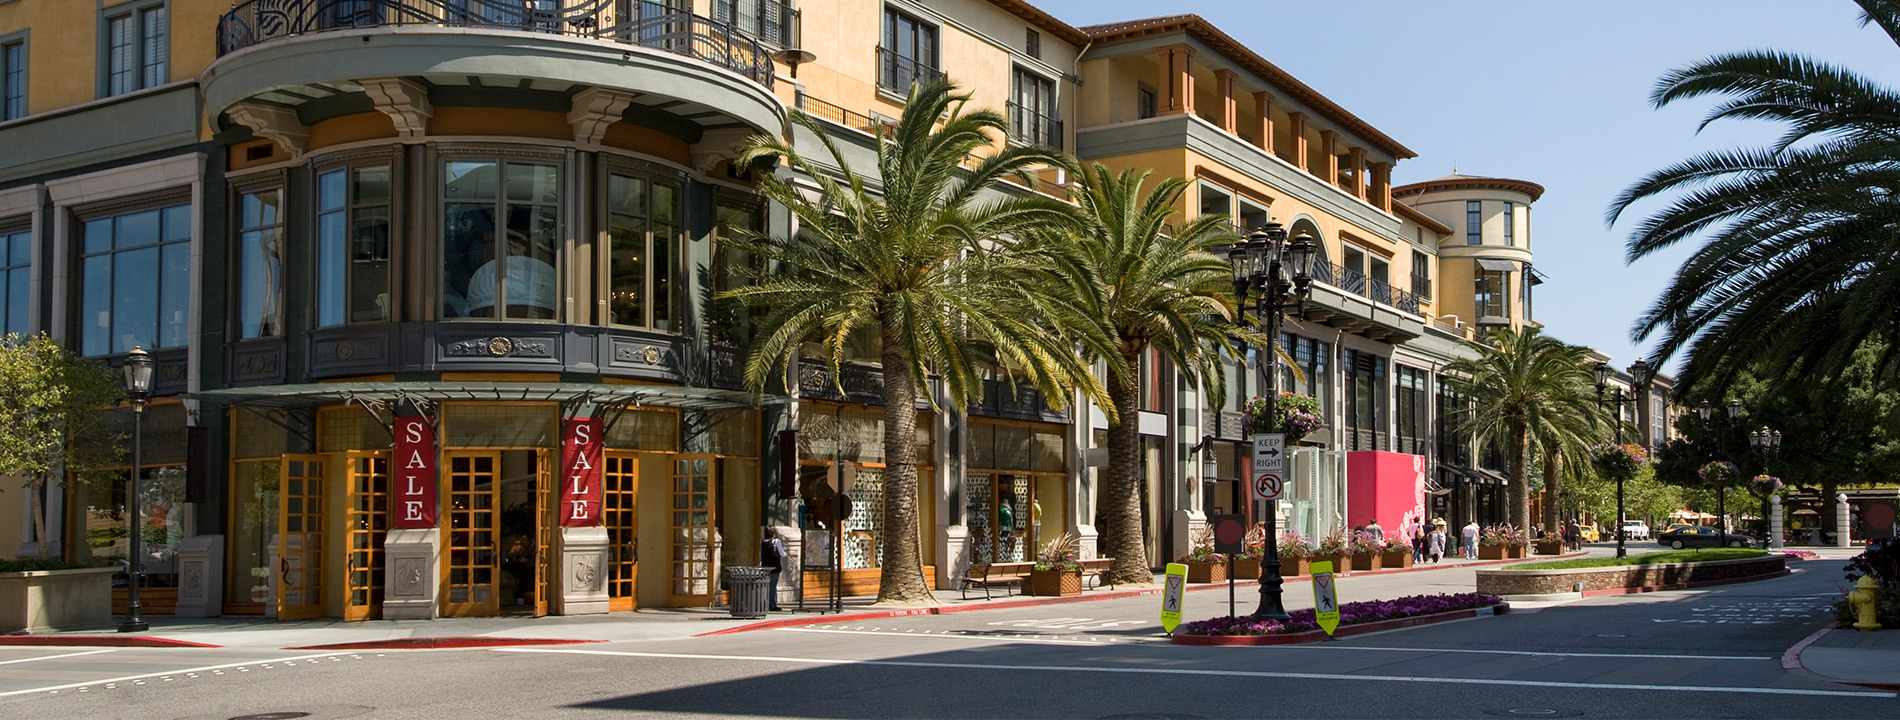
x: 1800, y: 234
x: 1153, y: 287
x: 1530, y: 394
x: 51, y: 398
x: 931, y: 266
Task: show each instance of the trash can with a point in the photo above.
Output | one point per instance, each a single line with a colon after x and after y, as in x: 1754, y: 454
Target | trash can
x: 751, y: 588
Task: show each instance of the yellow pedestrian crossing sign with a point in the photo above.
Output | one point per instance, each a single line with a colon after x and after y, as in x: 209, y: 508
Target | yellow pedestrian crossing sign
x: 1171, y: 596
x: 1325, y: 597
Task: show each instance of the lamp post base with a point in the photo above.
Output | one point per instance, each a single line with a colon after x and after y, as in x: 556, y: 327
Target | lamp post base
x: 1270, y: 581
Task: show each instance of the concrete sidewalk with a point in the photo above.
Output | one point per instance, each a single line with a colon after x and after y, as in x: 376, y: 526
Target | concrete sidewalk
x: 635, y: 626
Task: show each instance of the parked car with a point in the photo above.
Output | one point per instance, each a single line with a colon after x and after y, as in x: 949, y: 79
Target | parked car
x: 1589, y: 533
x: 1701, y: 536
x: 1676, y: 526
x: 1636, y: 529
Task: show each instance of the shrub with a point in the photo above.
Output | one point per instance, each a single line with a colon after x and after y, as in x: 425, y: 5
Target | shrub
x: 1366, y: 542
x: 1294, y: 546
x: 1059, y: 554
x: 1337, y: 542
x: 1505, y: 535
x: 1201, y: 548
x: 1352, y: 613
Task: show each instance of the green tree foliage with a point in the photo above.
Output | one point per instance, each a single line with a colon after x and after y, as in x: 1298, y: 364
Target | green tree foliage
x: 1798, y: 236
x: 50, y: 398
x: 932, y: 264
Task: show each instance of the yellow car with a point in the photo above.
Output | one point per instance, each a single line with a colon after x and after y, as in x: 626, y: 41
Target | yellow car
x: 1589, y: 533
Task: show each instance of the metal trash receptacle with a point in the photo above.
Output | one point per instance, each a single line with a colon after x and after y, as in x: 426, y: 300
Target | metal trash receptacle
x: 751, y: 589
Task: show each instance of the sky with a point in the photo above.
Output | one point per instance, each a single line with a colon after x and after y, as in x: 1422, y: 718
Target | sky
x: 1551, y: 92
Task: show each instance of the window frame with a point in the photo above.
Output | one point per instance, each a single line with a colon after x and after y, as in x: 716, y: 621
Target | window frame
x: 140, y: 65
x: 1474, y: 222
x: 240, y: 249
x: 888, y: 35
x: 1491, y: 296
x: 11, y: 228
x: 604, y: 254
x: 1048, y: 110
x: 111, y: 211
x: 1200, y: 199
x: 15, y: 68
x: 502, y: 159
x: 1422, y: 275
x: 393, y: 215
x: 1147, y: 101
x: 1510, y: 222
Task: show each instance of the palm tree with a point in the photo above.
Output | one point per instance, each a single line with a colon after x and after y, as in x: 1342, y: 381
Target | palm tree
x: 928, y: 266
x: 1801, y: 234
x: 1153, y: 287
x: 1530, y: 394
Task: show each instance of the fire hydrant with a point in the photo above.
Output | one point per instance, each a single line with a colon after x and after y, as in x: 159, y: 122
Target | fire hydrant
x: 1862, y: 598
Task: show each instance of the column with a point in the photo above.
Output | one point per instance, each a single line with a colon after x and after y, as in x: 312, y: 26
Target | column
x: 1358, y: 158
x: 1329, y: 157
x: 1775, y: 522
x: 1229, y: 112
x: 1263, y: 124
x: 1842, y: 524
x: 1298, y: 121
x: 1177, y: 79
x: 1382, y: 185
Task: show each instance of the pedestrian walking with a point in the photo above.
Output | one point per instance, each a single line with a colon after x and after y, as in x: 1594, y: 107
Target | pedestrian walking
x: 1376, y: 531
x: 1419, y: 529
x: 772, y: 557
x: 1469, y: 538
x: 1435, y: 544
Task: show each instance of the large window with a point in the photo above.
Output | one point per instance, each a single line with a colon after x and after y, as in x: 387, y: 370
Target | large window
x: 1365, y: 405
x: 1032, y: 110
x: 12, y: 79
x: 1494, y: 293
x: 137, y: 44
x: 1421, y: 275
x: 909, y: 52
x: 261, y: 264
x: 1411, y: 412
x: 1454, y: 448
x: 16, y: 281
x: 136, y: 271
x: 1510, y: 224
x: 353, y: 245
x: 643, y: 229
x: 773, y: 21
x: 730, y: 323
x: 500, y: 239
x: 1315, y: 359
x: 1474, y: 223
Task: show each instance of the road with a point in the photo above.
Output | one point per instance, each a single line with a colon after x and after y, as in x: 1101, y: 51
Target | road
x: 1703, y: 653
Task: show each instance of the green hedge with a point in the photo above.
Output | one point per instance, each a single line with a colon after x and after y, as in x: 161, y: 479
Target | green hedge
x: 1655, y: 558
x: 33, y: 564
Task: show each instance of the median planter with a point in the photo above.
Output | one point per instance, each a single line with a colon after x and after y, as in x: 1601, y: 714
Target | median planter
x: 1055, y: 583
x: 1396, y: 559
x: 1366, y: 561
x: 1207, y: 572
x: 1508, y: 582
x: 1341, y: 563
x: 1550, y: 547
x: 40, y: 601
x: 1247, y: 568
x: 1492, y: 552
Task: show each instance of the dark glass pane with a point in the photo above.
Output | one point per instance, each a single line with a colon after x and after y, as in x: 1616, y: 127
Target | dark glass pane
x: 20, y: 248
x: 135, y: 230
x: 19, y: 282
x: 260, y: 284
x: 135, y: 308
x: 532, y: 183
x: 663, y: 238
x: 96, y: 314
x: 532, y: 281
x: 626, y: 304
x: 372, y: 186
x: 626, y: 195
x: 369, y: 265
x: 177, y: 223
x: 174, y: 300
x: 330, y: 191
x: 469, y: 284
x: 331, y: 252
x: 99, y: 235
x: 470, y: 181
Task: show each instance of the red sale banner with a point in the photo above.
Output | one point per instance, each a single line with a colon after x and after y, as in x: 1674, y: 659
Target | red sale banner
x: 412, y: 482
x: 581, y: 478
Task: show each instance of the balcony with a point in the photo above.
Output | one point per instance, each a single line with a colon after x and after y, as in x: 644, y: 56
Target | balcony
x: 1376, y: 290
x: 771, y: 21
x: 896, y: 72
x: 1029, y: 126
x: 1019, y: 400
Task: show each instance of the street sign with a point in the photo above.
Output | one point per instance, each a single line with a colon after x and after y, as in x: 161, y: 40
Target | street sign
x: 1171, y: 597
x: 1269, y: 453
x: 1230, y: 533
x: 1325, y: 597
x: 1267, y: 486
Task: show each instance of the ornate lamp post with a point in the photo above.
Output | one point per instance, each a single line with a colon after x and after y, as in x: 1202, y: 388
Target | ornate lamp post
x: 1713, y: 425
x: 138, y: 385
x: 1602, y: 372
x: 1767, y: 445
x: 1276, y: 277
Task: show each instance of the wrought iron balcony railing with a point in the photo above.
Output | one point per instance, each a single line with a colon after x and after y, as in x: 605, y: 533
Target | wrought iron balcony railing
x: 1354, y: 282
x: 640, y: 22
x: 896, y: 72
x: 1027, y: 125
x: 772, y: 21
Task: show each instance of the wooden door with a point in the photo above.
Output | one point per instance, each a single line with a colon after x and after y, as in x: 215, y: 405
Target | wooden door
x: 469, y: 575
x: 693, y: 520
x: 546, y: 527
x: 620, y: 515
x: 365, y: 530
x: 300, y: 538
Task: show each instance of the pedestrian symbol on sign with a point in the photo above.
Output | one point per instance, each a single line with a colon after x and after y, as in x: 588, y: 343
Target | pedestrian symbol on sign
x: 1325, y: 597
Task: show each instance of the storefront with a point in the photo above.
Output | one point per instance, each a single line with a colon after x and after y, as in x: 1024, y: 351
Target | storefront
x: 841, y: 451
x: 1015, y: 490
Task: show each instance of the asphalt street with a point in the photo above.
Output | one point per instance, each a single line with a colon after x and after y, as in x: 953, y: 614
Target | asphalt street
x: 1691, y: 654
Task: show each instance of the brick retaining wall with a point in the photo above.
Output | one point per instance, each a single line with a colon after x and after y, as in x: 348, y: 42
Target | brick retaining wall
x: 1505, y: 581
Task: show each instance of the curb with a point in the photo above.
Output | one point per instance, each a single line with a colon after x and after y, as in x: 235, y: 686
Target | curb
x: 1343, y: 631
x: 1791, y: 660
x: 441, y: 643
x: 1687, y: 585
x: 145, y: 641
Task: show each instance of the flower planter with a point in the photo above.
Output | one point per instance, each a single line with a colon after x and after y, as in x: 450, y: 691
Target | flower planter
x: 49, y: 600
x: 1207, y: 572
x: 1366, y: 561
x: 1341, y: 563
x: 1397, y: 558
x: 1493, y: 552
x: 1290, y: 567
x: 1516, y: 552
x: 1054, y: 583
x: 1550, y: 547
x: 1247, y: 568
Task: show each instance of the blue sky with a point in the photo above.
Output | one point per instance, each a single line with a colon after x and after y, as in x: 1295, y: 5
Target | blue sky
x: 1551, y: 92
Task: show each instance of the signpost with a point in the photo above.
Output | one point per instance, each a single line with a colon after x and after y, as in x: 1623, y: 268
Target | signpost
x: 1325, y: 597
x: 1230, y: 539
x: 1171, y: 597
x: 1269, y: 465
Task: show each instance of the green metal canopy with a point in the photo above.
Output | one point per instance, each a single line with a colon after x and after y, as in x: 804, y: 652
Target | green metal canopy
x: 428, y: 393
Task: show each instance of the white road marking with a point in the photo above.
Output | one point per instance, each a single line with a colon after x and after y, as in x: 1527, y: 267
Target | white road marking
x: 1517, y: 652
x: 111, y: 682
x: 54, y: 657
x: 992, y: 638
x: 1215, y: 673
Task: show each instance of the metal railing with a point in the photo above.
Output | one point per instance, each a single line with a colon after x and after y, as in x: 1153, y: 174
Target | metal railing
x: 1422, y: 286
x: 896, y: 72
x: 1027, y: 125
x: 642, y: 23
x: 820, y: 109
x: 1374, y: 289
x: 771, y: 21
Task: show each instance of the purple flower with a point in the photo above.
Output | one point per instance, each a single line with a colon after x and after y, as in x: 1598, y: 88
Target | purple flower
x: 1352, y: 613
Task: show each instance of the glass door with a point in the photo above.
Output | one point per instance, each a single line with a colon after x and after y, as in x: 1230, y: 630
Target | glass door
x: 546, y: 527
x: 300, y: 539
x: 693, y: 522
x: 469, y: 575
x: 366, y: 527
x: 620, y: 514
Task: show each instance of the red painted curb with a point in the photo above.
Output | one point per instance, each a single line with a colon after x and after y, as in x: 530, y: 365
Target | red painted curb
x: 1685, y: 586
x: 1342, y: 631
x: 437, y: 643
x: 1791, y: 660
x: 99, y: 641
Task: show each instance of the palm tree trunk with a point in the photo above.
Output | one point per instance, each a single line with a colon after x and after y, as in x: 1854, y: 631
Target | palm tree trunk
x: 1552, y: 485
x: 1520, y: 495
x: 903, y: 579
x: 1121, y: 499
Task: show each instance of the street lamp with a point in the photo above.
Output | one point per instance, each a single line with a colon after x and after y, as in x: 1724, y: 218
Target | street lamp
x: 1712, y: 425
x: 1602, y: 372
x: 1276, y: 276
x: 138, y: 385
x: 1767, y: 445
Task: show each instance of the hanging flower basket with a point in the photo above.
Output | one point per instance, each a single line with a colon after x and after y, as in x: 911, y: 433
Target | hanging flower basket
x: 1764, y: 485
x: 1294, y: 414
x: 1618, y: 461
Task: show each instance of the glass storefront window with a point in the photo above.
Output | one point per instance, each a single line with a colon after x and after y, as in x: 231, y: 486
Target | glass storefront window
x: 353, y: 245
x: 261, y: 264
x: 16, y: 281
x: 104, y: 527
x: 253, y: 530
x: 642, y: 227
x: 500, y: 240
x: 730, y: 323
x: 136, y: 271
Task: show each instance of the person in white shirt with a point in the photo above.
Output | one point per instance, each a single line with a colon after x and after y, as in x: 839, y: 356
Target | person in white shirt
x: 1469, y: 540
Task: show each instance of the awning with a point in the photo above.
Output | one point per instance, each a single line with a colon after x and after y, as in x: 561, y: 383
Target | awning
x: 1495, y: 265
x: 429, y: 393
x: 1496, y: 478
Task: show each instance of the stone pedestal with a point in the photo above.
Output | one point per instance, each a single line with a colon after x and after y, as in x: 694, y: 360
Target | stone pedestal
x: 410, y: 575
x: 583, y: 571
x: 1842, y: 524
x: 1088, y: 542
x: 1776, y: 524
x: 791, y: 573
x: 1186, y: 524
x: 953, y: 556
x: 201, y: 577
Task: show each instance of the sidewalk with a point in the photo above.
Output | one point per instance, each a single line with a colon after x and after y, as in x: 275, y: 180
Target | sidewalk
x: 1851, y: 656
x: 639, y: 625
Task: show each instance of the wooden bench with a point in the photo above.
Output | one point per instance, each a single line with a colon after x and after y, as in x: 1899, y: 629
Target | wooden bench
x: 1004, y: 573
x: 1098, y: 568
